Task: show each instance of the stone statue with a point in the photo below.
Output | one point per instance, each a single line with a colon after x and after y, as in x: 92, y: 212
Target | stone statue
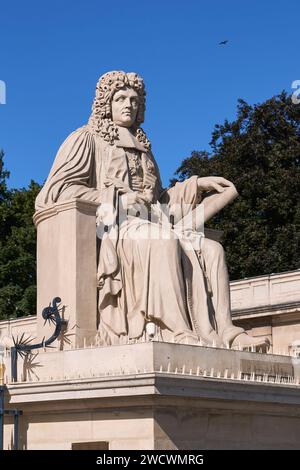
x: 147, y: 275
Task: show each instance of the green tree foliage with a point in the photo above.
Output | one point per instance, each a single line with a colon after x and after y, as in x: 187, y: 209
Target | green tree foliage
x: 17, y: 248
x: 260, y: 153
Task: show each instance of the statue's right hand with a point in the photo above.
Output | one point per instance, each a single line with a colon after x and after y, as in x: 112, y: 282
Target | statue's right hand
x: 132, y: 198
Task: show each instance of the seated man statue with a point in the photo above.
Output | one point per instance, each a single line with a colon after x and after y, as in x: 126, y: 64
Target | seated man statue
x: 147, y: 274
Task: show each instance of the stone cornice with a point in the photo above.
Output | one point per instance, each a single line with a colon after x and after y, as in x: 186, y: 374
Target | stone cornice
x: 267, y: 310
x: 87, y: 207
x: 149, y: 387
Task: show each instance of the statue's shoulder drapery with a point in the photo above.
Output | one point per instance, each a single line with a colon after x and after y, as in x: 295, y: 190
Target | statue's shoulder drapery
x: 73, y: 174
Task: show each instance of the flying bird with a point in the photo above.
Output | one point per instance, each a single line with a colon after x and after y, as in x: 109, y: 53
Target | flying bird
x: 222, y: 43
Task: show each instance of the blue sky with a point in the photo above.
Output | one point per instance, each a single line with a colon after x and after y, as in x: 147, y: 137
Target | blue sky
x: 52, y: 53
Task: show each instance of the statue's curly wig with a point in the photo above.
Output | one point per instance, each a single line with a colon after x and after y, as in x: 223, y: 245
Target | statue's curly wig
x: 101, y: 117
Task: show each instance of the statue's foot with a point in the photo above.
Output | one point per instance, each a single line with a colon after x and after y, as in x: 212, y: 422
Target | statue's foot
x: 186, y: 338
x: 212, y: 340
x: 244, y: 341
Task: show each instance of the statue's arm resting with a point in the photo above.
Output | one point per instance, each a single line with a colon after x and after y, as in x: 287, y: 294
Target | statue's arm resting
x: 182, y: 198
x: 186, y: 192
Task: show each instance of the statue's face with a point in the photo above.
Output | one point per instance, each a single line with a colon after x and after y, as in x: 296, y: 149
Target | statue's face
x: 124, y: 107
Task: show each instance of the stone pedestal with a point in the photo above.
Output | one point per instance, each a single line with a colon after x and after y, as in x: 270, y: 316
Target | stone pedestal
x: 157, y: 396
x: 66, y: 268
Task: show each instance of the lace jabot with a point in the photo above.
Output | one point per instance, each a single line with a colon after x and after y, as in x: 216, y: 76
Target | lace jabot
x: 135, y: 169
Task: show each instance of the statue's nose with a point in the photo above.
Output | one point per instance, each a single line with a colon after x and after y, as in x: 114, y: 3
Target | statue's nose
x: 127, y: 103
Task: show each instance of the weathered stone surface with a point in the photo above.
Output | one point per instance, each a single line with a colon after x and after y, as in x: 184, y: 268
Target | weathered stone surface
x: 136, y: 408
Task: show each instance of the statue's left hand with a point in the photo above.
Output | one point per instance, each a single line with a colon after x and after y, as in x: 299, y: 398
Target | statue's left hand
x: 213, y: 183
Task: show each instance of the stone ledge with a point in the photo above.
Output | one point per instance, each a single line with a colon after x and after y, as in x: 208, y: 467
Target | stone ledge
x: 153, y: 389
x: 150, y: 357
x: 87, y: 207
x: 158, y: 369
x: 266, y: 310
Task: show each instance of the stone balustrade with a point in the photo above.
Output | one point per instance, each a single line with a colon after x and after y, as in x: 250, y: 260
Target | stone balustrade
x: 273, y: 289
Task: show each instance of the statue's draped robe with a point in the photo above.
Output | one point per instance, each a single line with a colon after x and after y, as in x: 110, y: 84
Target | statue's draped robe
x: 140, y: 278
